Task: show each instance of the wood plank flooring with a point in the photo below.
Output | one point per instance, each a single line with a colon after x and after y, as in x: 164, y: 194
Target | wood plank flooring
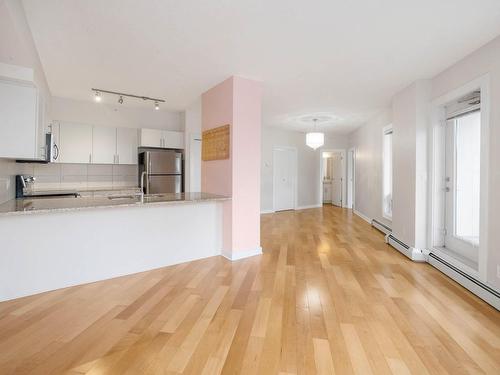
x: 328, y: 296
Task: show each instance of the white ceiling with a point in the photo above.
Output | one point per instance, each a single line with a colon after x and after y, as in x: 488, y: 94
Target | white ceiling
x: 337, y: 58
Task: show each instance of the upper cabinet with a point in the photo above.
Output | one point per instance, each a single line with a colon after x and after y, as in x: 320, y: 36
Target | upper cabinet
x: 126, y: 145
x: 151, y: 138
x: 162, y: 138
x: 172, y: 139
x: 85, y: 144
x: 19, y: 120
x: 103, y: 145
x: 75, y: 143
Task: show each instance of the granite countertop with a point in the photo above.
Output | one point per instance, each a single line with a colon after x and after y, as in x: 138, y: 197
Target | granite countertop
x: 38, y: 205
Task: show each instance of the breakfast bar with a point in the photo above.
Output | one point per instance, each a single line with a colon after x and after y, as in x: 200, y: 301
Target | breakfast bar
x: 48, y: 244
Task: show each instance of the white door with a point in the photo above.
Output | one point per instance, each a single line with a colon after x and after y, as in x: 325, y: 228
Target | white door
x: 327, y: 192
x: 337, y: 180
x: 126, y: 145
x: 103, y: 145
x: 350, y: 179
x: 75, y: 143
x: 151, y: 138
x: 463, y: 149
x: 284, y: 179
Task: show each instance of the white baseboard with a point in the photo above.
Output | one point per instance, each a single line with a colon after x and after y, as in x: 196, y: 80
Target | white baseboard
x: 309, y: 206
x: 381, y: 227
x: 414, y: 254
x: 362, y: 216
x: 243, y: 254
x: 481, y: 290
x: 263, y: 212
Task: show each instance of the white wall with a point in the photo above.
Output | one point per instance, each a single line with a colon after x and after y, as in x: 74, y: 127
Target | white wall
x: 409, y: 115
x: 308, y: 165
x: 192, y: 127
x: 409, y: 122
x: 367, y: 141
x: 485, y: 60
x: 16, y: 43
x: 18, y: 48
x: 115, y: 115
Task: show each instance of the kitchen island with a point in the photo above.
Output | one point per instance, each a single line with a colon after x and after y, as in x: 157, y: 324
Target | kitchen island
x: 53, y: 243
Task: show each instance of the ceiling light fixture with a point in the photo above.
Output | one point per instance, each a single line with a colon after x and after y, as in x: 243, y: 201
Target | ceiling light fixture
x: 121, y: 95
x: 315, y: 139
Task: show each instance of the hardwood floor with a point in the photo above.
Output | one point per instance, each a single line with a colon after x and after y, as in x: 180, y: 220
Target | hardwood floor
x: 328, y: 296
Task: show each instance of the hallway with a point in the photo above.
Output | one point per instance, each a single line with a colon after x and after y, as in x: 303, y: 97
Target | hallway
x: 327, y: 294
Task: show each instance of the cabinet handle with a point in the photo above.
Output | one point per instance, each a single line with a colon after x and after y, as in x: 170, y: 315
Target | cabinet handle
x: 117, y: 159
x: 90, y: 158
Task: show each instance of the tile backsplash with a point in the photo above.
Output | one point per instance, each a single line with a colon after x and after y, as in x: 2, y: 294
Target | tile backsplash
x: 66, y: 176
x: 83, y: 176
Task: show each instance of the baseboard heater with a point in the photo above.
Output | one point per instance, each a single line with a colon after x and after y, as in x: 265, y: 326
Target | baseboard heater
x: 381, y: 227
x: 414, y: 254
x: 478, y: 288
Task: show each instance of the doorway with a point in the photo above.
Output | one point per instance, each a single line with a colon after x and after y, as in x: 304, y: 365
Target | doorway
x: 459, y: 200
x: 351, y: 173
x: 284, y: 178
x: 332, y: 177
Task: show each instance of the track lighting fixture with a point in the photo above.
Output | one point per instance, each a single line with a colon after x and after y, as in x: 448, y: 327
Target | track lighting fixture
x: 98, y: 97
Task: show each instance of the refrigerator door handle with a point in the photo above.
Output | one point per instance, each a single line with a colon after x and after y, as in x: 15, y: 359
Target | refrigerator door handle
x: 178, y: 163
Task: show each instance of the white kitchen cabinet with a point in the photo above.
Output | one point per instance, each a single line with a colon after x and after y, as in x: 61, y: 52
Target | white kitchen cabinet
x: 103, y: 145
x: 126, y: 146
x: 18, y: 120
x: 151, y: 138
x: 162, y: 138
x: 173, y: 139
x: 75, y: 143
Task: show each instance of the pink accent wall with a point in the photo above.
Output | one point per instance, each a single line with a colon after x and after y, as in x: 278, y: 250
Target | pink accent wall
x: 236, y: 101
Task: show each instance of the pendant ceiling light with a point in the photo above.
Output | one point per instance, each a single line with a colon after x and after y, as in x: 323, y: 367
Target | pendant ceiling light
x: 315, y: 139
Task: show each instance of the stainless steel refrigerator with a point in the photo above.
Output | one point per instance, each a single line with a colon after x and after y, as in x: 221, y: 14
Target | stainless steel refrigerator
x: 164, y: 171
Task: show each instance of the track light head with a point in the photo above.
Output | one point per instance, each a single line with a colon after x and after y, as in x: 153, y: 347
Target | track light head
x: 157, y: 106
x: 98, y: 96
x: 120, y: 100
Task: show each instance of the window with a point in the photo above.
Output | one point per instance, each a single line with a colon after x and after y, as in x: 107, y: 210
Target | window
x: 387, y: 173
x: 467, y: 178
